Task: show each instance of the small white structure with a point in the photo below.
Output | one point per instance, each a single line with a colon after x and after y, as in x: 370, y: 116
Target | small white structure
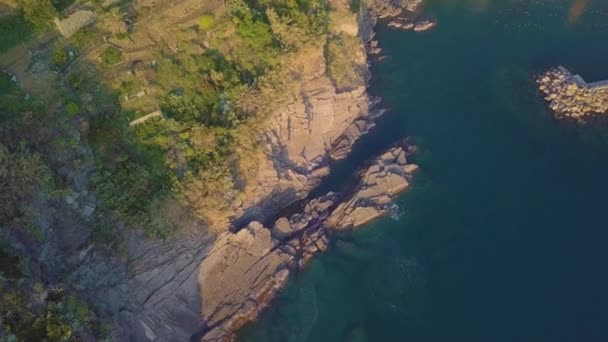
x: 157, y: 114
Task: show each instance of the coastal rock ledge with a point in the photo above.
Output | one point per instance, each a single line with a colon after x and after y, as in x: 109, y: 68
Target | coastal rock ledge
x: 244, y: 271
x: 570, y: 96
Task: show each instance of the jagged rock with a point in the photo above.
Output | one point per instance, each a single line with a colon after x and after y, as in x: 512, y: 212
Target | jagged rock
x: 401, y: 23
x: 282, y: 228
x: 244, y: 270
x: 387, y: 176
x: 289, y: 250
x: 88, y: 209
x: 424, y: 25
x: 414, y: 5
x: 322, y: 244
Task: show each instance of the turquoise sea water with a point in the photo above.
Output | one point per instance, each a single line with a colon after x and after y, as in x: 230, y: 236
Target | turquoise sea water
x: 504, y: 235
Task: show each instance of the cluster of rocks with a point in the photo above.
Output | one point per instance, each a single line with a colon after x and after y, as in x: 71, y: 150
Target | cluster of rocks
x: 388, y: 176
x: 244, y: 271
x: 569, y: 96
x: 407, y: 16
x: 418, y: 25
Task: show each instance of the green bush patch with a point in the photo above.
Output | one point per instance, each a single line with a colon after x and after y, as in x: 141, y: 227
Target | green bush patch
x: 205, y: 22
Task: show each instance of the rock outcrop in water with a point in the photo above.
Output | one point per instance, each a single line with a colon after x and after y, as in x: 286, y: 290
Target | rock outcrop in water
x: 404, y: 15
x: 243, y: 271
x: 570, y: 96
x: 388, y: 176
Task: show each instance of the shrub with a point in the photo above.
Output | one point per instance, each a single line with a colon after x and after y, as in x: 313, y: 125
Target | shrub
x: 111, y: 56
x: 60, y: 58
x: 64, y: 318
x: 205, y: 22
x: 19, y: 176
x: 72, y: 109
x: 38, y: 13
x: 342, y: 66
x: 355, y: 5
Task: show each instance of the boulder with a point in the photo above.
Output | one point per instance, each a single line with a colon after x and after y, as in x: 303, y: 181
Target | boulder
x: 282, y: 228
x: 424, y: 25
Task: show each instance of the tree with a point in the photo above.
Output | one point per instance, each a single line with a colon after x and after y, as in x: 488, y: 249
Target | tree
x: 38, y: 13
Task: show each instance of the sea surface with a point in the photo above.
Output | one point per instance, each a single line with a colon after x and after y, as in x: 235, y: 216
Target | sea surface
x: 504, y: 233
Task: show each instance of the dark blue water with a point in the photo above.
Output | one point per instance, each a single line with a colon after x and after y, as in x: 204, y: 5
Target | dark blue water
x: 504, y: 236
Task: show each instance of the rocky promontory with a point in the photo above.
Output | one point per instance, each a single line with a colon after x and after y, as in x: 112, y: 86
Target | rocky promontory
x: 244, y: 271
x: 239, y: 271
x: 569, y: 96
x: 197, y: 283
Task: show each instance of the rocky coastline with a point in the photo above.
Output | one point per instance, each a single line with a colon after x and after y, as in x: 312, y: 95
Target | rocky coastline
x: 570, y: 96
x: 244, y: 271
x: 202, y: 286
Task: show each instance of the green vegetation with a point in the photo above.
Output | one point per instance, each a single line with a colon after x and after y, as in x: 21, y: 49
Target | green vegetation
x: 14, y: 30
x: 343, y: 69
x: 203, y: 150
x: 31, y: 313
x: 60, y: 58
x: 20, y: 173
x: 72, y: 109
x: 111, y: 56
x: 62, y: 4
x: 127, y: 189
x: 205, y: 22
x: 39, y: 13
x: 35, y: 16
x: 12, y: 100
x: 355, y: 5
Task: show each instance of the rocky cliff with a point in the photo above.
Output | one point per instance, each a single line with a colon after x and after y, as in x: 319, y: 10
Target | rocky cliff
x: 206, y: 288
x: 229, y: 279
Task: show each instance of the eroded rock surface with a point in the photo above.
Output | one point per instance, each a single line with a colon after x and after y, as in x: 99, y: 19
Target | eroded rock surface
x: 318, y: 124
x: 197, y: 284
x: 239, y: 277
x: 424, y: 25
x: 243, y: 271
